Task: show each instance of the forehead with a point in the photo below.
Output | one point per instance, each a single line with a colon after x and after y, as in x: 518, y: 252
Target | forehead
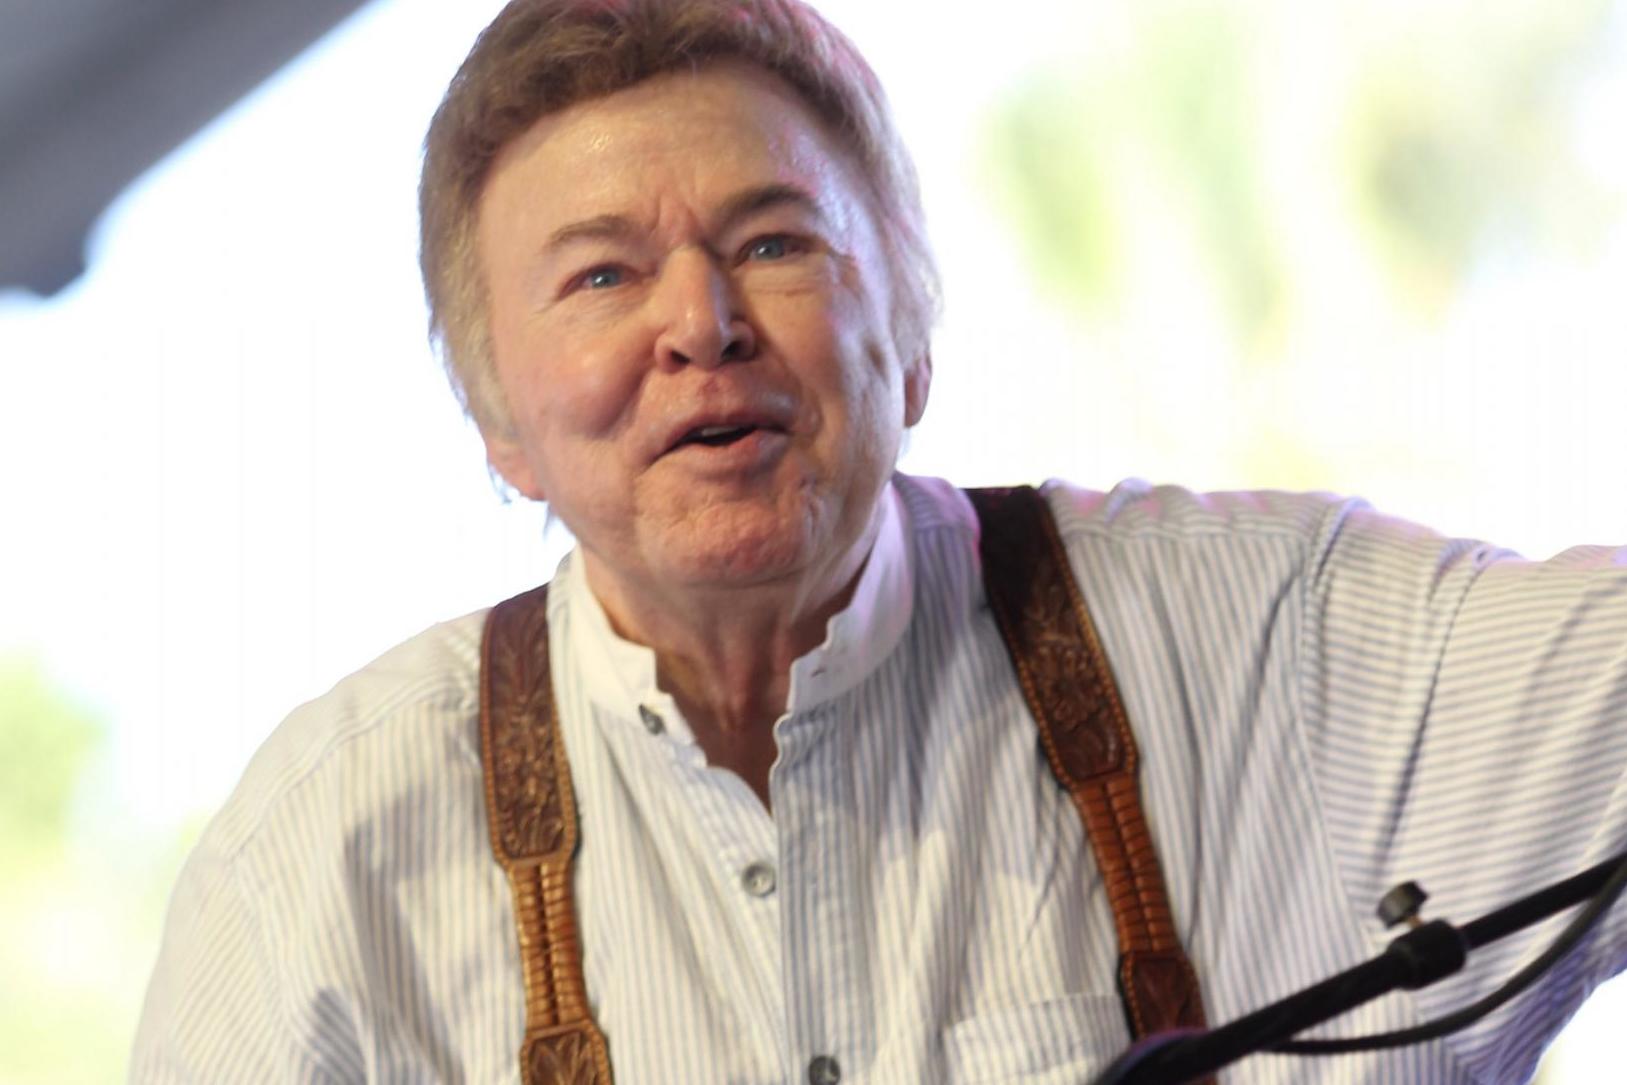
x: 681, y: 138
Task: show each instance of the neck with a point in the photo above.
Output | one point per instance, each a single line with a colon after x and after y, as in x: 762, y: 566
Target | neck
x: 725, y: 652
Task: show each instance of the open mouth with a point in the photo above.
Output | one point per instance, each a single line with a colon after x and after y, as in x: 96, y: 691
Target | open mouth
x: 717, y: 436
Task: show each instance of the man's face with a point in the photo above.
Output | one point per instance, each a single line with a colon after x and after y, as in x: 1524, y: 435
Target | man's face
x: 690, y: 323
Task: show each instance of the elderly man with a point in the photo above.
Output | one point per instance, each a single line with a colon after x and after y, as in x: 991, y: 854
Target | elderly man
x: 780, y: 781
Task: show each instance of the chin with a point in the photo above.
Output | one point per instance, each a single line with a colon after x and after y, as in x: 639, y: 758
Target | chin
x: 732, y: 545
x: 740, y: 560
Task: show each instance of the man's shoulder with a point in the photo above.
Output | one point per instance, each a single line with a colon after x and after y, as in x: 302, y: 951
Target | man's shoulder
x: 392, y: 725
x: 1137, y: 509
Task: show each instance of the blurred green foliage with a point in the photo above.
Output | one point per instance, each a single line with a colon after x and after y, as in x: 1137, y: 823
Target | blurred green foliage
x: 1199, y: 109
x: 46, y: 742
x: 1059, y: 194
x: 1071, y: 146
x: 80, y: 904
x: 1459, y: 136
x: 1448, y: 127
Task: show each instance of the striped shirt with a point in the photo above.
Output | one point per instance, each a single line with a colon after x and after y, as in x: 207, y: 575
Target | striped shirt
x: 1327, y: 701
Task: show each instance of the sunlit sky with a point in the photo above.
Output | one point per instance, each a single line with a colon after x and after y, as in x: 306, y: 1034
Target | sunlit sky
x: 235, y: 473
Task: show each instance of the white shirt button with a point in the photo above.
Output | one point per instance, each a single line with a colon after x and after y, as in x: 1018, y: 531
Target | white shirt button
x: 758, y: 879
x: 824, y: 1070
x: 653, y: 723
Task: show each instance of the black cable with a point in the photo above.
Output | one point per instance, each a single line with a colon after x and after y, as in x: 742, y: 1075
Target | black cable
x: 1578, y: 928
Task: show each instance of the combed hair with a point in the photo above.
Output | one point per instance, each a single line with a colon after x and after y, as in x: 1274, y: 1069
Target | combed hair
x: 542, y: 56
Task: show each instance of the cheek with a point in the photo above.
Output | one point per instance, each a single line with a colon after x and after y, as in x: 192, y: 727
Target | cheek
x: 861, y: 398
x: 864, y: 298
x: 871, y: 369
x: 565, y: 382
x: 590, y: 396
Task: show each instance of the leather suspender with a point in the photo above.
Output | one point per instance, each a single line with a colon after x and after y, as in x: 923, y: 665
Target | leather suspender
x: 1069, y: 688
x: 1065, y: 679
x: 531, y: 808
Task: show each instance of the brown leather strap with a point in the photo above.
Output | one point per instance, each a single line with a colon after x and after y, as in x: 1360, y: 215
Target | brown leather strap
x: 1065, y: 679
x: 531, y: 808
x: 1069, y: 687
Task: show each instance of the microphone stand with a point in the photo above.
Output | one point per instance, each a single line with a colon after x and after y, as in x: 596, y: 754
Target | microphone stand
x: 1426, y: 953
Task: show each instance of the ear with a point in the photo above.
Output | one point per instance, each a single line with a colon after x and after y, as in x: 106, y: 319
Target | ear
x: 507, y: 457
x: 917, y: 386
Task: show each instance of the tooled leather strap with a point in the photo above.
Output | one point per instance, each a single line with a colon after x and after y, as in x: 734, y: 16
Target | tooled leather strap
x: 1069, y: 687
x: 1065, y: 678
x: 531, y: 809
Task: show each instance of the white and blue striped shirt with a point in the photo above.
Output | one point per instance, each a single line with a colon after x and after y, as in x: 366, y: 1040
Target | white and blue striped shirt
x: 1327, y: 702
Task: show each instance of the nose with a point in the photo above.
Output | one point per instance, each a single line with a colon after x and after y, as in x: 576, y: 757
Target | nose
x: 700, y: 319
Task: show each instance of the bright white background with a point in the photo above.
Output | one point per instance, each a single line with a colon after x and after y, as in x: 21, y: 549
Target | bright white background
x: 233, y: 472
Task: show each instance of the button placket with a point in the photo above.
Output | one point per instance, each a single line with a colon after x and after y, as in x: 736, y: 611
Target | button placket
x: 813, y: 811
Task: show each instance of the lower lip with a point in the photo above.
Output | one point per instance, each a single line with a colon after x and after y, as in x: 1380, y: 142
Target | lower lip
x: 756, y: 450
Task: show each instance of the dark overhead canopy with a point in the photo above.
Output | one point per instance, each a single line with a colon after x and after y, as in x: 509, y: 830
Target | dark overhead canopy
x: 93, y: 92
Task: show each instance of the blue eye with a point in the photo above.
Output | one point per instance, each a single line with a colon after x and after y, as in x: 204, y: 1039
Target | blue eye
x: 602, y: 278
x: 768, y: 248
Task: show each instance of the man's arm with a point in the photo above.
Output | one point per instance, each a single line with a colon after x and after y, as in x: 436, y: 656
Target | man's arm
x: 1466, y: 714
x: 215, y: 1009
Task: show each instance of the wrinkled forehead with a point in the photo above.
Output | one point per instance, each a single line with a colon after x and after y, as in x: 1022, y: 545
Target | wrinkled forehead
x: 683, y: 141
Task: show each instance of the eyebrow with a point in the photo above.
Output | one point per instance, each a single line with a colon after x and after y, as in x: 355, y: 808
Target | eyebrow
x: 750, y: 201
x: 741, y: 205
x: 597, y: 228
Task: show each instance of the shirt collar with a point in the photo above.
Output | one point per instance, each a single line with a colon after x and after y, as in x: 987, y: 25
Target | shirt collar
x: 862, y: 635
x: 621, y: 675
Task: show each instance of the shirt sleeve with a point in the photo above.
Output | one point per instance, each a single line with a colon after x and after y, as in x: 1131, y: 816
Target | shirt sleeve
x: 1466, y: 716
x: 215, y: 1009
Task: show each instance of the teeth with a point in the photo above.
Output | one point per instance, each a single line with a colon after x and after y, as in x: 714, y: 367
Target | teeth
x: 716, y: 431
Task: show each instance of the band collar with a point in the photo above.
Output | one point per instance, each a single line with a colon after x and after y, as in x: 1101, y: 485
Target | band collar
x: 621, y: 676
